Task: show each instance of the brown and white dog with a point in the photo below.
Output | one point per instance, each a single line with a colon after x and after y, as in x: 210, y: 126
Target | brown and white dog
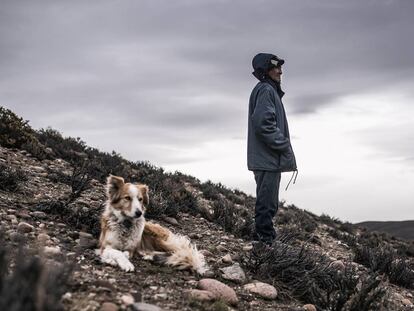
x: 124, y: 232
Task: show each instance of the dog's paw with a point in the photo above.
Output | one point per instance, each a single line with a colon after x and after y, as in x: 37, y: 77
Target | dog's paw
x: 126, y: 265
x: 109, y: 261
x: 126, y: 253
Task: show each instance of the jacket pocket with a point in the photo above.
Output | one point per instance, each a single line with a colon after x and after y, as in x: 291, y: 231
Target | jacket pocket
x: 287, y: 160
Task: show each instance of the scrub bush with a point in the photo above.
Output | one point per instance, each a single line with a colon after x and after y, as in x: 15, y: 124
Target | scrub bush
x: 10, y: 178
x: 32, y: 284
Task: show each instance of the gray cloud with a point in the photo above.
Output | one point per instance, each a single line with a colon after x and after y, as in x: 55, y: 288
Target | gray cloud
x: 178, y: 73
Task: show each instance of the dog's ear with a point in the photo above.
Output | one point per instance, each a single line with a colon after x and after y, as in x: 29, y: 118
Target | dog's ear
x: 113, y: 186
x: 145, y: 193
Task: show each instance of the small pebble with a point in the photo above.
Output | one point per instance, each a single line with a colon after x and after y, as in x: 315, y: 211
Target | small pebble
x: 127, y: 299
x: 24, y: 227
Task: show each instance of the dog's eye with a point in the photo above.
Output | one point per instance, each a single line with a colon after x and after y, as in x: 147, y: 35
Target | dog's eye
x: 128, y: 198
x: 140, y: 199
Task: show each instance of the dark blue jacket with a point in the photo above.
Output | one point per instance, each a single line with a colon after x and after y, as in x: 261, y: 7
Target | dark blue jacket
x: 268, y: 141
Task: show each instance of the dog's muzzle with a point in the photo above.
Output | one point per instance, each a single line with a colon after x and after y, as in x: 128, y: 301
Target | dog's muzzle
x: 138, y: 214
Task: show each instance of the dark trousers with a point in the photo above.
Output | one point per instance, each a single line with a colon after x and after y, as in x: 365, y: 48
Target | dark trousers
x: 267, y: 202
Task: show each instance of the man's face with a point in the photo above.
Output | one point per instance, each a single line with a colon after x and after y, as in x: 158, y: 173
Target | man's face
x: 276, y: 73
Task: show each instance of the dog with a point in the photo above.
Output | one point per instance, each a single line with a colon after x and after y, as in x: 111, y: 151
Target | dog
x: 125, y: 232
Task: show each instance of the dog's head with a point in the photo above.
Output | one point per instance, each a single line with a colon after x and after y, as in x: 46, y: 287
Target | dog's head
x: 126, y: 199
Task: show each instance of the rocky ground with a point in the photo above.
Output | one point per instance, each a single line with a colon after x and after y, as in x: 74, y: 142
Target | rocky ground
x: 94, y: 286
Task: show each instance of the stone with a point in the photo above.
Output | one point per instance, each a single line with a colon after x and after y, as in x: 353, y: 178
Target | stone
x: 398, y: 296
x: 406, y: 302
x: 263, y: 290
x: 127, y: 299
x: 16, y: 237
x: 200, y: 295
x: 13, y: 219
x: 338, y: 264
x: 52, y: 250
x: 86, y: 240
x: 142, y: 306
x: 221, y: 248
x: 109, y: 306
x: 219, y: 290
x: 43, y: 238
x: 24, y: 215
x: 227, y: 259
x: 209, y: 274
x: 309, y: 307
x: 170, y: 220
x: 24, y: 227
x: 195, y: 236
x: 67, y: 296
x: 161, y: 296
x: 39, y: 214
x: 234, y: 273
x: 247, y: 248
x: 206, y: 253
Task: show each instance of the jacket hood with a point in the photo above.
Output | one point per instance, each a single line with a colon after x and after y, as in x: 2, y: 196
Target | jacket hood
x: 262, y: 63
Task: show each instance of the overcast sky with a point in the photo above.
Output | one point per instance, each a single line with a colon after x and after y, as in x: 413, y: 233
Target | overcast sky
x: 169, y: 82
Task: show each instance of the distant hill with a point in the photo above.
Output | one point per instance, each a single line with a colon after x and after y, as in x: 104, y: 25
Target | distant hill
x: 401, y: 229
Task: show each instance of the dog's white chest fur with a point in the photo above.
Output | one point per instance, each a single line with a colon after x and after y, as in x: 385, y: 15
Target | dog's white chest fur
x: 125, y: 235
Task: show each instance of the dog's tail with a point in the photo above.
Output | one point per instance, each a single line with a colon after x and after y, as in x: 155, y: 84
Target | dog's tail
x: 182, y: 254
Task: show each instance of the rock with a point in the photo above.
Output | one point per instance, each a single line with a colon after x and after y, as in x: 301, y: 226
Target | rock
x: 234, y: 273
x: 24, y: 215
x: 170, y: 220
x: 16, y: 237
x: 200, y: 295
x: 406, y: 302
x: 219, y: 290
x: 43, y: 238
x: 247, y: 248
x: 195, y: 236
x: 206, y: 253
x: 141, y: 306
x: 227, y: 259
x: 67, y: 296
x: 222, y: 248
x: 109, y: 306
x: 338, y: 264
x: 127, y: 299
x: 398, y: 296
x: 263, y: 290
x: 71, y: 255
x: 86, y: 240
x: 52, y: 250
x: 309, y: 307
x: 13, y: 219
x: 162, y: 296
x: 104, y: 284
x: 409, y: 295
x: 39, y: 214
x: 38, y: 168
x: 24, y: 227
x: 208, y: 274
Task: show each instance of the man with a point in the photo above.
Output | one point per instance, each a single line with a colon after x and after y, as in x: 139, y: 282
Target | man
x: 269, y: 151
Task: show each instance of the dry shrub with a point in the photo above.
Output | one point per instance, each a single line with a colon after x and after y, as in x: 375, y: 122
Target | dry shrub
x: 32, y: 284
x: 10, y: 178
x: 311, y: 278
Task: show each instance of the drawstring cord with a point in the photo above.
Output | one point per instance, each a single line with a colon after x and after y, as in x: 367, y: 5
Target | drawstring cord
x: 295, y: 171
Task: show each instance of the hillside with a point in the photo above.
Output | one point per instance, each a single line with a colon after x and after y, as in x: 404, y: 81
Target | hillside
x: 52, y: 190
x: 400, y: 229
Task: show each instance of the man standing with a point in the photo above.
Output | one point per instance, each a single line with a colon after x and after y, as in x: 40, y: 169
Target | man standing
x: 269, y: 151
